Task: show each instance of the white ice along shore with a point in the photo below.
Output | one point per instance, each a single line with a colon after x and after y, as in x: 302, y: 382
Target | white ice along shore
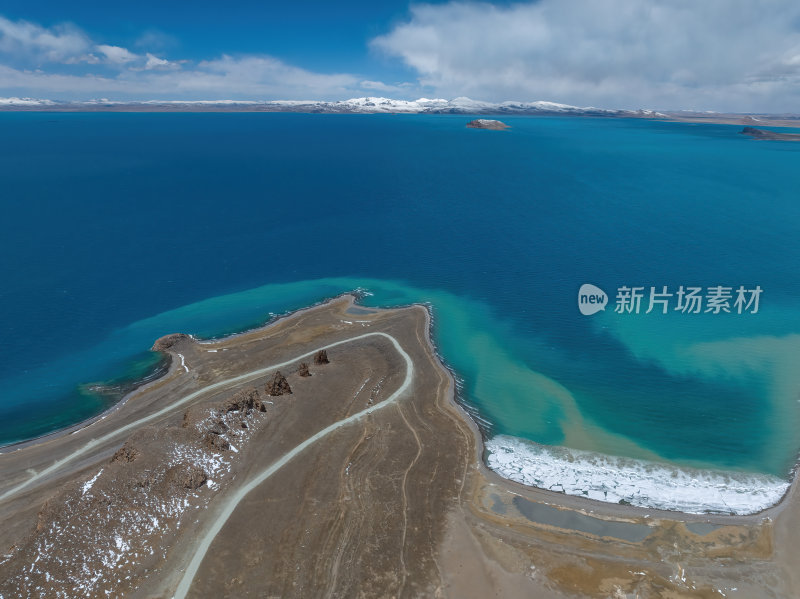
x: 638, y: 482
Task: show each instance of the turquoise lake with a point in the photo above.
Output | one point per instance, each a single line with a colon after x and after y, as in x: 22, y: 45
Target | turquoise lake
x: 119, y: 228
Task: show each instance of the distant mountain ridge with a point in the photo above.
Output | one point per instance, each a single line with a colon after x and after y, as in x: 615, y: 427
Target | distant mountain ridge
x: 380, y: 105
x: 461, y: 105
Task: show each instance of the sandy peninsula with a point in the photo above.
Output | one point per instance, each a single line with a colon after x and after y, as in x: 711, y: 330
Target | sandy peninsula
x: 325, y: 455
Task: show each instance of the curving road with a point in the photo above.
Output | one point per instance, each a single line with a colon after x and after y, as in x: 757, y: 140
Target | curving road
x: 242, y: 378
x: 233, y: 501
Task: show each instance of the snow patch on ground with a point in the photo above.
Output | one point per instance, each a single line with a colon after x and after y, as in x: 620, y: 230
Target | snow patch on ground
x: 88, y: 484
x: 97, y: 541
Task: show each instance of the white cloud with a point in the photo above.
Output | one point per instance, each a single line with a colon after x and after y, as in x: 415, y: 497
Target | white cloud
x: 29, y: 40
x: 265, y: 75
x: 154, y: 62
x: 30, y: 43
x: 248, y: 77
x: 153, y: 39
x: 671, y: 54
x: 116, y: 54
x: 64, y: 63
x: 382, y: 87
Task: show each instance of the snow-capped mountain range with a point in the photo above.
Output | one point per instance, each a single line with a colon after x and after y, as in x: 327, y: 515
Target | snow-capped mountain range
x: 354, y: 105
x: 5, y: 102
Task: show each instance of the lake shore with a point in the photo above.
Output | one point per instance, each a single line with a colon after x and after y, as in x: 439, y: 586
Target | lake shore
x: 714, y: 118
x: 403, y: 492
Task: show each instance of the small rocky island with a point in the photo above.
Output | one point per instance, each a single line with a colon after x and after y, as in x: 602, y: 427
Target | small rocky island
x: 487, y: 124
x: 774, y: 135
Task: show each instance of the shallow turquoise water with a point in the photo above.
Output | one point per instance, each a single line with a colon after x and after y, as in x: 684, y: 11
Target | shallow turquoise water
x: 114, y: 218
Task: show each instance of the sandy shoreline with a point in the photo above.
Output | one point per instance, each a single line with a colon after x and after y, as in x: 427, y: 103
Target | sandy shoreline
x: 752, y: 120
x: 469, y: 527
x: 87, y: 422
x: 142, y: 386
x: 354, y: 297
x: 715, y: 118
x: 556, y: 497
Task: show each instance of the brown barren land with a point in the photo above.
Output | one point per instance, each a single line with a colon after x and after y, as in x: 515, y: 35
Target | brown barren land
x: 395, y: 502
x: 754, y: 120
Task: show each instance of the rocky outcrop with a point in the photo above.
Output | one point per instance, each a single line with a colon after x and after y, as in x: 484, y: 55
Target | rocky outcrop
x: 167, y: 341
x: 194, y: 478
x: 126, y: 453
x: 487, y: 124
x: 218, y: 427
x: 772, y: 135
x: 215, y: 442
x: 244, y: 401
x: 321, y: 357
x: 278, y: 385
x: 303, y: 369
x: 117, y: 518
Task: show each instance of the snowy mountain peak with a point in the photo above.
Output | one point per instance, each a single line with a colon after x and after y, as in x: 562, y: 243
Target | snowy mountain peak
x: 24, y: 102
x: 367, y: 104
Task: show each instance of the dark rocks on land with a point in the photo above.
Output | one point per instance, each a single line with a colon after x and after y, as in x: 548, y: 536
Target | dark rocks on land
x: 218, y: 428
x: 126, y: 453
x: 167, y: 341
x: 216, y: 443
x: 244, y: 401
x: 278, y: 385
x: 321, y: 357
x: 773, y: 135
x: 303, y: 370
x: 487, y: 124
x: 196, y: 477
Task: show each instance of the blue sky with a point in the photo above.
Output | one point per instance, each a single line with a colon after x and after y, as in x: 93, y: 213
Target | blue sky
x: 324, y: 36
x: 662, y: 54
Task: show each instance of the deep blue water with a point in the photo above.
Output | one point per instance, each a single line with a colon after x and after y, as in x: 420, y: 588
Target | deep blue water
x: 114, y: 225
